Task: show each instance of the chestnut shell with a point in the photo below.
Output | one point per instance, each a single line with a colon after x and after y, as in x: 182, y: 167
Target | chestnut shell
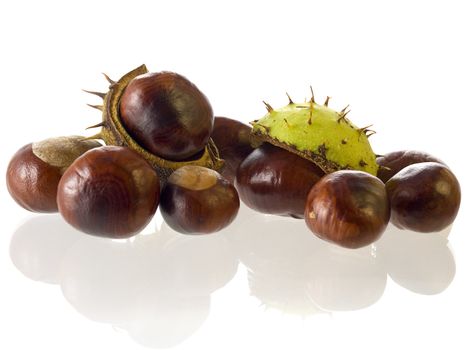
x: 272, y: 180
x: 232, y: 139
x: 32, y: 182
x: 393, y: 162
x: 425, y: 197
x: 110, y: 192
x: 349, y: 208
x: 198, y: 200
x: 35, y: 170
x: 167, y: 115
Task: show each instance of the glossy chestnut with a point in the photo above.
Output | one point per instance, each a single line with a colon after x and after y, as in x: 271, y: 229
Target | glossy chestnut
x: 198, y: 200
x: 272, y: 180
x: 349, y: 208
x: 232, y: 139
x: 35, y: 170
x: 167, y: 115
x: 110, y: 191
x: 424, y: 197
x: 393, y: 162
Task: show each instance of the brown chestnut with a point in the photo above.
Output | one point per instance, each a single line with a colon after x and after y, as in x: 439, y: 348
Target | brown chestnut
x: 391, y: 163
x: 349, y: 208
x: 110, y: 191
x: 232, y: 139
x: 272, y: 180
x: 198, y: 200
x: 424, y: 197
x: 167, y: 115
x: 34, y: 171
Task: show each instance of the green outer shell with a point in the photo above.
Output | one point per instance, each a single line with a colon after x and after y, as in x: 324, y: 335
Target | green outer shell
x: 329, y: 139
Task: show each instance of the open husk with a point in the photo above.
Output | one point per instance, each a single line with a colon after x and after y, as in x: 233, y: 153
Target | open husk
x: 113, y: 132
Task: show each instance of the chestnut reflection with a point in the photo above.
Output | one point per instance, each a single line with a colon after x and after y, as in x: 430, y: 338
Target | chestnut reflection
x: 423, y: 264
x: 344, y: 279
x: 291, y: 270
x: 276, y: 252
x: 39, y: 245
x: 156, y: 287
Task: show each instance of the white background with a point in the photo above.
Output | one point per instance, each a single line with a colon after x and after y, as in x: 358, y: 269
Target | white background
x: 264, y: 282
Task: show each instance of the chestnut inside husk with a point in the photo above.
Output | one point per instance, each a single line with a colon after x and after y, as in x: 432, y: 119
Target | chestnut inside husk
x: 113, y: 131
x: 167, y: 115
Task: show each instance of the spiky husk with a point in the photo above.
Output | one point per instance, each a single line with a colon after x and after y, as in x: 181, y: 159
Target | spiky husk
x: 113, y: 132
x: 319, y: 134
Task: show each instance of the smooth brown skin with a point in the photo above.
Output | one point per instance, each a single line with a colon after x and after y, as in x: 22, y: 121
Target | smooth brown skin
x: 393, y: 162
x: 349, y: 208
x: 198, y: 200
x: 424, y: 197
x: 35, y: 170
x: 32, y: 182
x: 110, y: 192
x: 232, y: 139
x: 272, y: 180
x: 167, y: 115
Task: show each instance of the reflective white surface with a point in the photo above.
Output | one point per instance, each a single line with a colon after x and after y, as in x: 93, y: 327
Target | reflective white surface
x: 265, y: 282
x: 157, y: 287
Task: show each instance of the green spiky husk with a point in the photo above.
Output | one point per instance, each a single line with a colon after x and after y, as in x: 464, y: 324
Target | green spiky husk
x: 113, y: 133
x: 319, y: 134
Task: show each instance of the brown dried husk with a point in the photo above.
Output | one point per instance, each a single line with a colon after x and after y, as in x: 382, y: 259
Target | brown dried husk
x: 114, y: 133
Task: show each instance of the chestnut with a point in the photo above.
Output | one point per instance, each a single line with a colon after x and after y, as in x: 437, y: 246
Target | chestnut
x: 110, y: 191
x: 232, y: 139
x: 272, y: 180
x: 391, y: 163
x: 167, y: 115
x: 424, y: 197
x: 198, y: 200
x: 34, y: 171
x: 349, y: 208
